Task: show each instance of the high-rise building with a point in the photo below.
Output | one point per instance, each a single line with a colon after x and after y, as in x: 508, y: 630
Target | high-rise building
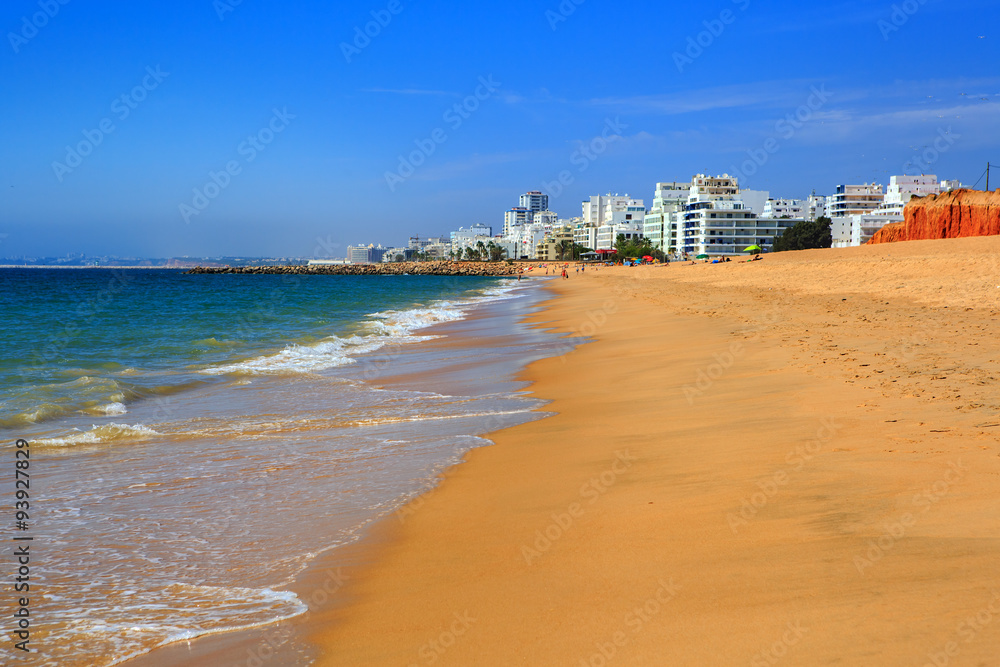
x: 534, y: 201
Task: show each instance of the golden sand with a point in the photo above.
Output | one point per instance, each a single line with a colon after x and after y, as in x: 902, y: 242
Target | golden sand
x: 793, y: 461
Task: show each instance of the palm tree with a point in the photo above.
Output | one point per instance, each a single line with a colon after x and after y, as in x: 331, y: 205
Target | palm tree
x: 481, y: 248
x: 566, y: 249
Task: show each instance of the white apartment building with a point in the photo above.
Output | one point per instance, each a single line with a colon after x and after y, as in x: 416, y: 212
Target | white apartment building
x: 526, y: 238
x: 784, y: 208
x: 599, y: 206
x: 902, y: 189
x: 609, y: 209
x: 469, y: 237
x: 607, y: 234
x: 716, y: 220
x: 628, y: 222
x: 585, y: 235
x: 660, y: 224
x: 534, y: 201
x: 854, y: 200
x: 815, y: 207
x: 951, y: 185
x: 855, y: 230
x: 516, y: 217
x: 840, y: 230
x: 864, y: 226
x: 545, y: 218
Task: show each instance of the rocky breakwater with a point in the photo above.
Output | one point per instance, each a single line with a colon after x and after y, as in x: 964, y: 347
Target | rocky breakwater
x: 950, y: 215
x: 387, y: 269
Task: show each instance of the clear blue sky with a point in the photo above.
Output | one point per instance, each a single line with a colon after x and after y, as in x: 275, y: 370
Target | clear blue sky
x: 893, y: 78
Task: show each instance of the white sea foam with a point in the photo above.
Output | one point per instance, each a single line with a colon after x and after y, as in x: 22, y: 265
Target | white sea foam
x: 104, y: 433
x: 134, y: 621
x: 328, y: 353
x: 386, y: 327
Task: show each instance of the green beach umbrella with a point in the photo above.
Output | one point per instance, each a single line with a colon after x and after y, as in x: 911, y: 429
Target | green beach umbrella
x: 701, y: 257
x: 752, y: 248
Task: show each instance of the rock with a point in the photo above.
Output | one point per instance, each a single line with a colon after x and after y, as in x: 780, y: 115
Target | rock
x: 954, y: 214
x: 441, y: 268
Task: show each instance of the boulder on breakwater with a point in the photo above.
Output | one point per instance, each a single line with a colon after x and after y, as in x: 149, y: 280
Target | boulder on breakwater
x: 441, y: 268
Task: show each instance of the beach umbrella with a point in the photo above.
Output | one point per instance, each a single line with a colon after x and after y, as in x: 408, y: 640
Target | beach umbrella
x: 752, y: 248
x: 701, y: 256
x: 648, y: 257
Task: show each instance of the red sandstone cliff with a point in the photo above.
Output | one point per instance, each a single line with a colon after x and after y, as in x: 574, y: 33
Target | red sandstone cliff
x: 946, y: 216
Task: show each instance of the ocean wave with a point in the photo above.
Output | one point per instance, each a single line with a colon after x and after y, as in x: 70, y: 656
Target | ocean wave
x: 138, y: 624
x: 328, y: 353
x: 384, y: 328
x: 101, y: 434
x: 401, y: 324
x: 89, y: 395
x: 113, y: 409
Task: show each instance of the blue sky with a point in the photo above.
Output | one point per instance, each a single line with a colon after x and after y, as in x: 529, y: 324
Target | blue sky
x: 251, y: 129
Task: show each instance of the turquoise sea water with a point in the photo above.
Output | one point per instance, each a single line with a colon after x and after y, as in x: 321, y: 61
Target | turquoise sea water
x: 98, y: 341
x: 197, y: 440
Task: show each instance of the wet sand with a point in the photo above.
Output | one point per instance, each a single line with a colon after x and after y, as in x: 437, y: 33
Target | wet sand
x: 790, y: 461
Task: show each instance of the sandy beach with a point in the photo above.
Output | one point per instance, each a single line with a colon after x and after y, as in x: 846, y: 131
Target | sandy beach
x: 792, y: 461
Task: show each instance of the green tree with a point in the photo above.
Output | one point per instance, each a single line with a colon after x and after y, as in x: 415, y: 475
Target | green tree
x: 805, y: 235
x: 565, y: 250
x: 496, y: 252
x: 636, y: 248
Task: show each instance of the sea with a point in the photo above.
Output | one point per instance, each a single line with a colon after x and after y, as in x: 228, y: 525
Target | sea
x: 196, y: 441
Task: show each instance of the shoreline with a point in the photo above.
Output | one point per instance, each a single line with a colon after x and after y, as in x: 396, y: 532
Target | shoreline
x: 400, y: 367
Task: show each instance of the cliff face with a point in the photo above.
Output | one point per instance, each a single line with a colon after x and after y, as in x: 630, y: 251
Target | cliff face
x: 946, y: 216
